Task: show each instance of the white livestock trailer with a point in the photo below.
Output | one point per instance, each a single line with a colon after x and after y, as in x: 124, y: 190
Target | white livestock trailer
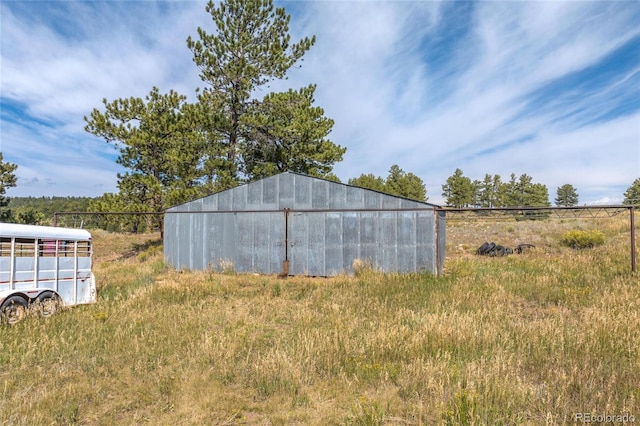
x: 44, y: 267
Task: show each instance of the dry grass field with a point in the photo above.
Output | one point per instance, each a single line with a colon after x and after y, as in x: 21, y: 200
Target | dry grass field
x: 523, y: 339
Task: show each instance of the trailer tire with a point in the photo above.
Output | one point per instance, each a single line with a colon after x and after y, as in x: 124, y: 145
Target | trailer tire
x: 13, y: 310
x: 48, y: 304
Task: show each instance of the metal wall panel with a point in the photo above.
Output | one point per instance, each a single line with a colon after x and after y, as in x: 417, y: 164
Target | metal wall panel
x: 387, y: 235
x: 286, y: 193
x: 333, y: 243
x: 254, y: 195
x: 302, y: 193
x: 210, y: 203
x: 355, y: 197
x: 350, y: 239
x: 221, y: 238
x: 291, y: 190
x: 298, y: 244
x: 196, y: 248
x: 195, y: 206
x: 372, y: 200
x: 240, y: 198
x: 225, y: 201
x: 425, y: 250
x: 319, y: 194
x: 338, y: 197
x: 260, y: 242
x: 276, y: 242
x: 369, y: 237
x: 390, y: 202
x: 406, y: 241
x: 410, y: 204
x: 270, y: 194
x: 327, y: 243
x: 245, y: 243
x: 316, y: 253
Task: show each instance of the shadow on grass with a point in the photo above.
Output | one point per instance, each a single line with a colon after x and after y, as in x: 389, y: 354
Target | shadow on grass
x: 150, y: 246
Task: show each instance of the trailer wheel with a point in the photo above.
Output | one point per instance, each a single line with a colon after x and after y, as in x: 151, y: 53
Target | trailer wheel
x: 47, y: 304
x: 14, y: 310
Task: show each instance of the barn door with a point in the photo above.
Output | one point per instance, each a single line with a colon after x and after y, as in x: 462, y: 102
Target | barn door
x: 305, y: 237
x: 315, y: 243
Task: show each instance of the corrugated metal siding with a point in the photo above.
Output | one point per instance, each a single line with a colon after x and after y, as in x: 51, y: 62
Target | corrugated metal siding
x: 327, y: 243
x: 260, y: 242
x: 324, y: 231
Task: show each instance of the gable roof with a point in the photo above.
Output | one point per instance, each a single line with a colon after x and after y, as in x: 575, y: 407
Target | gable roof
x: 296, y: 191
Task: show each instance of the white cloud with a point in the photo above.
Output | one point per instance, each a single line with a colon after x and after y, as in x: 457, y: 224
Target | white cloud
x: 59, y: 78
x: 392, y: 100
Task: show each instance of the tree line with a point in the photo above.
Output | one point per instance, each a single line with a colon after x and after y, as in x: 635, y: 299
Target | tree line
x: 491, y: 192
x: 458, y: 191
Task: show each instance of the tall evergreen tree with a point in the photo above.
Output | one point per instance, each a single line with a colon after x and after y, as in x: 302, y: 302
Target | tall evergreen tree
x: 404, y: 184
x: 538, y: 196
x: 566, y: 196
x: 250, y: 47
x: 159, y: 145
x: 631, y: 195
x: 510, y: 192
x: 7, y: 180
x: 369, y: 181
x: 286, y: 133
x: 398, y: 182
x: 489, y: 191
x: 459, y: 191
x: 523, y: 191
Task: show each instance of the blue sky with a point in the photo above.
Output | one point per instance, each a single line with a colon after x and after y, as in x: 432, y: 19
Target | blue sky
x: 551, y: 89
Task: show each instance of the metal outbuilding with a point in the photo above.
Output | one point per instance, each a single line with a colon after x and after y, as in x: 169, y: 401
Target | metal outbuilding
x: 293, y: 224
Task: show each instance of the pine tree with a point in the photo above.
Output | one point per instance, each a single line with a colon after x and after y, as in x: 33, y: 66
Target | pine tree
x: 249, y: 48
x: 489, y: 191
x: 7, y: 180
x: 398, y: 182
x: 368, y: 181
x: 287, y: 133
x: 631, y: 195
x: 404, y: 184
x: 159, y: 146
x: 523, y: 192
x: 459, y: 191
x: 566, y: 196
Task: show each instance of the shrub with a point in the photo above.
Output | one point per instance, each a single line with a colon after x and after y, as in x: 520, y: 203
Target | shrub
x: 581, y: 239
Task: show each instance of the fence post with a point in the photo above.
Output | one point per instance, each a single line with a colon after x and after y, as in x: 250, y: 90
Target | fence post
x: 633, y: 239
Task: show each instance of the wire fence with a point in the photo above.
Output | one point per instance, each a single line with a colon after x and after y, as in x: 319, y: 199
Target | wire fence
x: 562, y: 214
x: 135, y: 222
x: 138, y: 222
